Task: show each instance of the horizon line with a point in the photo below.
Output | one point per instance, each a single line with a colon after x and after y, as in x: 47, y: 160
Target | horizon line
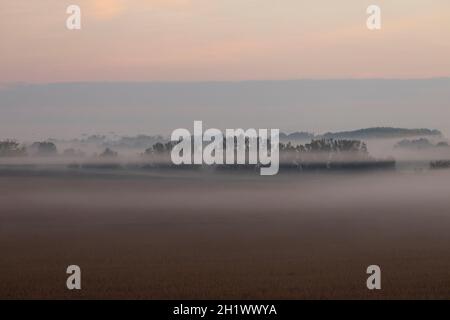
x: 27, y: 83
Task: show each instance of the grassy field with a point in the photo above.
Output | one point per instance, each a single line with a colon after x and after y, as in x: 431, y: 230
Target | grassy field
x: 181, y: 235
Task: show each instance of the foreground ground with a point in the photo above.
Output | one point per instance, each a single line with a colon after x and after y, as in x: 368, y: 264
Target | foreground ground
x: 190, y: 235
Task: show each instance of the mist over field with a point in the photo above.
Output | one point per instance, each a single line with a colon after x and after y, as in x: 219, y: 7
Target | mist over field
x: 144, y: 228
x: 92, y: 92
x: 141, y: 227
x: 86, y: 177
x: 94, y: 184
x: 180, y: 235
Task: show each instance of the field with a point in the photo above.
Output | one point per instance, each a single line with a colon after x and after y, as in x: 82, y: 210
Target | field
x: 186, y: 235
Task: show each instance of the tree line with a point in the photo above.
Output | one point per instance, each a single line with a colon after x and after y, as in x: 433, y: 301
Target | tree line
x: 11, y: 148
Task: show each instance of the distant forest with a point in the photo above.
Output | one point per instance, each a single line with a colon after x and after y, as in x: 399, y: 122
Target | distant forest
x: 299, y: 150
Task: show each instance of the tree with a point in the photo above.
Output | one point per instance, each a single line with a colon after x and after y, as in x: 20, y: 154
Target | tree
x: 44, y: 148
x: 11, y: 148
x: 158, y: 147
x: 108, y: 153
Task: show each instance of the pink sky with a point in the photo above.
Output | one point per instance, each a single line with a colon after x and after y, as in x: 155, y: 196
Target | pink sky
x: 171, y: 40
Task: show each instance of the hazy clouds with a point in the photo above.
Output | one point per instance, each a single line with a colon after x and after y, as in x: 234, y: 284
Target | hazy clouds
x: 184, y: 40
x: 68, y: 110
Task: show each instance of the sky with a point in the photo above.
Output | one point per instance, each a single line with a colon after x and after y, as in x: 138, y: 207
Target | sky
x: 202, y: 40
x: 68, y: 110
x: 226, y: 62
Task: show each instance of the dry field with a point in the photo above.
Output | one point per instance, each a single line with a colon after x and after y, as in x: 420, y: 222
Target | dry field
x: 209, y: 236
